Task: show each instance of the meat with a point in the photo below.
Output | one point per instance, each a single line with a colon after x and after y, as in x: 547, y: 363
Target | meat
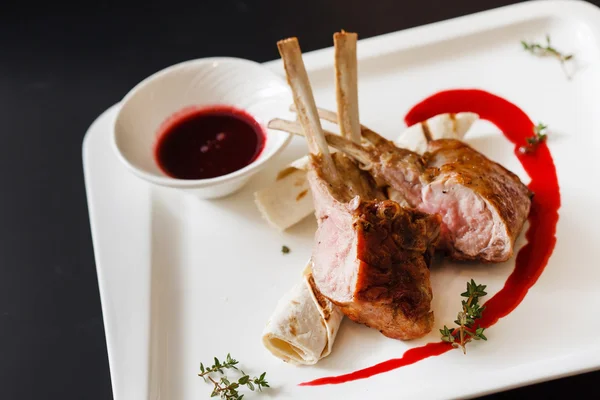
x: 483, y: 205
x: 370, y: 256
x: 394, y: 249
x: 377, y: 271
x: 398, y: 168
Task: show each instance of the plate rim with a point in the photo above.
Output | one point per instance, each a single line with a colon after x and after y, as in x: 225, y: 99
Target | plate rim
x: 376, y: 46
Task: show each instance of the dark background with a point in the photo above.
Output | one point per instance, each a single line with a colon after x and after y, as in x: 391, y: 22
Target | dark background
x: 61, y: 66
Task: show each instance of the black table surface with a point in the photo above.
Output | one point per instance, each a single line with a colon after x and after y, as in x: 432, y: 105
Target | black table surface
x: 61, y: 66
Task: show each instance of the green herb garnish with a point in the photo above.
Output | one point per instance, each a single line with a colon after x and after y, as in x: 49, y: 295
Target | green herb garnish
x: 539, y: 136
x: 285, y: 249
x: 547, y: 51
x: 471, y: 311
x: 226, y: 389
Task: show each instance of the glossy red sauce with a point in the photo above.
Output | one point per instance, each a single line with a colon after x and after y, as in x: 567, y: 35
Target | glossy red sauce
x: 541, y: 235
x: 208, y: 142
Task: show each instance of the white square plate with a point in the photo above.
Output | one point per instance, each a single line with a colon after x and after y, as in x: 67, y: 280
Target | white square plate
x: 183, y: 280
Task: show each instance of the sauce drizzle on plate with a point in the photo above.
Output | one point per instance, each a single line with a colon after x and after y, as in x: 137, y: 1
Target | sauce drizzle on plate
x: 541, y: 234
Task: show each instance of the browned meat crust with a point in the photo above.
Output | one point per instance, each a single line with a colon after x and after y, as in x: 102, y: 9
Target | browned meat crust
x: 393, y: 291
x: 502, y: 189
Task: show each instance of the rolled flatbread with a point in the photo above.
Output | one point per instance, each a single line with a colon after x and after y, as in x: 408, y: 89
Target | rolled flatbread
x: 287, y: 201
x: 303, y: 326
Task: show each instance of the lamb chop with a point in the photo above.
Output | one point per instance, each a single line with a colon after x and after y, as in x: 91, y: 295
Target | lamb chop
x: 483, y: 205
x: 371, y: 256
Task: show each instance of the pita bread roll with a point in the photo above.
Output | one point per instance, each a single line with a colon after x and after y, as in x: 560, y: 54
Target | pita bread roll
x: 303, y: 326
x: 289, y: 199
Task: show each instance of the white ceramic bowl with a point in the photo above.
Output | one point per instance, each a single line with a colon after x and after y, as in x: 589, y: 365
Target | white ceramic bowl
x: 236, y: 82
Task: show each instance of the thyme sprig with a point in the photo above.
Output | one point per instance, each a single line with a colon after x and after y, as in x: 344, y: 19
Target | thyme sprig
x: 223, y: 387
x: 466, y: 318
x: 543, y: 51
x: 539, y: 136
x: 548, y: 51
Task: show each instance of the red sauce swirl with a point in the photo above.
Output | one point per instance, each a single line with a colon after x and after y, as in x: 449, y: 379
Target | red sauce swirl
x: 541, y: 234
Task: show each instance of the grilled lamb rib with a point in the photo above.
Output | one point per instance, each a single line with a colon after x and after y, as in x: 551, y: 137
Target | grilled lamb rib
x: 483, y: 205
x: 370, y: 256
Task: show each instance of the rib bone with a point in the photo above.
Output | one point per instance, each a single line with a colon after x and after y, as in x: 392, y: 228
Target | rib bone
x: 293, y: 127
x: 371, y: 136
x: 346, y: 85
x: 324, y: 114
x: 289, y: 49
x: 336, y: 141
